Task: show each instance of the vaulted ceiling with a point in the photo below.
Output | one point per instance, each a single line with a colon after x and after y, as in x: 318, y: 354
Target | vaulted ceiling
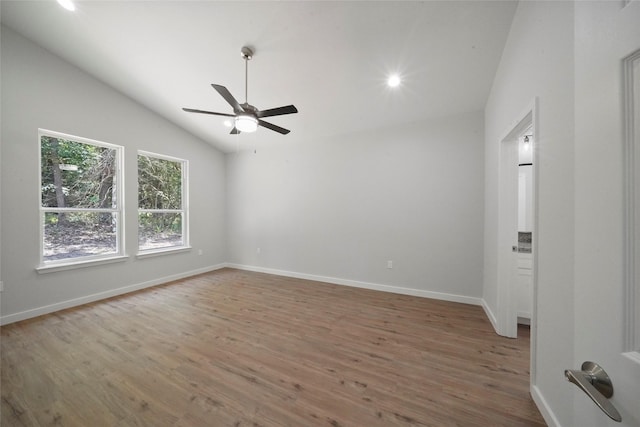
x: 329, y: 59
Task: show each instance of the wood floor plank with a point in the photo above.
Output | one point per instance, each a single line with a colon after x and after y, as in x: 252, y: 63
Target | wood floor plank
x: 236, y: 348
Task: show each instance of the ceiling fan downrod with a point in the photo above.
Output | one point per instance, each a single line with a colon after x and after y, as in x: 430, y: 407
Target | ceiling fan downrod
x: 247, y: 54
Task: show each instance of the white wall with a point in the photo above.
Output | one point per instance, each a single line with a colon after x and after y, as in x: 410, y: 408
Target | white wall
x: 341, y: 208
x: 41, y: 91
x: 538, y: 62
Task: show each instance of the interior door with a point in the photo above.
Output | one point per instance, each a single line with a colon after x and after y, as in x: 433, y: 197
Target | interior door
x: 607, y: 34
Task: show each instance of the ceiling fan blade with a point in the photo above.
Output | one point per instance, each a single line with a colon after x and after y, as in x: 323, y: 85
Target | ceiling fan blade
x: 234, y: 131
x: 273, y: 127
x: 191, y: 110
x: 289, y: 109
x: 237, y: 108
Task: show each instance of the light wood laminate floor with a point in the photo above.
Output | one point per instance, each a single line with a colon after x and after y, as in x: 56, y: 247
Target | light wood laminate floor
x: 236, y: 348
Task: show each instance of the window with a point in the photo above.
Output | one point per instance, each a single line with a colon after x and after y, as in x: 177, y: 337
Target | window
x: 162, y: 202
x: 80, y: 199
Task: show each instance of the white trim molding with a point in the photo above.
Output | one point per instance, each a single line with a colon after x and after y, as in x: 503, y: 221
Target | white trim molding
x: 506, y: 313
x: 631, y: 134
x: 490, y: 315
x: 544, y: 408
x: 82, y: 263
x: 366, y: 285
x: 35, y: 312
x: 39, y: 311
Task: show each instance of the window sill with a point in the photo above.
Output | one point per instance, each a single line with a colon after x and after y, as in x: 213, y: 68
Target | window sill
x: 162, y: 251
x: 72, y: 265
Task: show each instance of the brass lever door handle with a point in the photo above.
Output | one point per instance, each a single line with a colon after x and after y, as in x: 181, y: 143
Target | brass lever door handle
x: 595, y: 382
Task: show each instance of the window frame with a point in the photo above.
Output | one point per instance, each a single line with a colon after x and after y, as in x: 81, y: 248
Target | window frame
x: 184, y: 198
x: 119, y: 210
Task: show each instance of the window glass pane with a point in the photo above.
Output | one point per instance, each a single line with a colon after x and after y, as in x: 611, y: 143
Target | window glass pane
x: 77, y: 175
x: 79, y: 234
x: 159, y: 183
x: 159, y: 230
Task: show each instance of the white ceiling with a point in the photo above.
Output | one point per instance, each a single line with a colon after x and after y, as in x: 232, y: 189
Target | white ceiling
x: 329, y: 59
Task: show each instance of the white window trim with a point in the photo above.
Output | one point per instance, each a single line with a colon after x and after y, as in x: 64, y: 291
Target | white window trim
x: 147, y: 253
x: 81, y: 262
x: 88, y: 261
x: 150, y: 253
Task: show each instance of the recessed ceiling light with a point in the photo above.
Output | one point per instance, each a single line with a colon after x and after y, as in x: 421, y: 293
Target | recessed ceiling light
x: 67, y: 4
x: 393, y: 80
x: 227, y: 123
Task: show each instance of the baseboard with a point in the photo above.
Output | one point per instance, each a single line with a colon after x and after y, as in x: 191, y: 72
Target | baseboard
x: 357, y: 284
x: 490, y: 315
x: 28, y: 314
x: 544, y: 408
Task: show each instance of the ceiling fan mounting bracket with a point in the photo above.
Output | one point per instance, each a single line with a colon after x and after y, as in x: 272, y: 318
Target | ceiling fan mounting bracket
x: 246, y: 52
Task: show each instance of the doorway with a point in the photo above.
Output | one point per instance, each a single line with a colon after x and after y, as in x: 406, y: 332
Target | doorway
x: 517, y: 227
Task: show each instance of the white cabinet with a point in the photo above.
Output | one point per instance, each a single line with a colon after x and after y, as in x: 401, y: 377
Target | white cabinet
x: 525, y: 287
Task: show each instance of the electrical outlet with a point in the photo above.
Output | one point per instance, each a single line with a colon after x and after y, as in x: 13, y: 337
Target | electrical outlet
x: 258, y: 251
x: 199, y: 251
x: 389, y: 264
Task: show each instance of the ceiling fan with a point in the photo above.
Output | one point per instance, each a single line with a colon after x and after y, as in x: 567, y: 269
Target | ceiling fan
x: 247, y: 118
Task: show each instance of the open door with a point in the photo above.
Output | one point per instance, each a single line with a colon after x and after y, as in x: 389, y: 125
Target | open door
x: 607, y: 206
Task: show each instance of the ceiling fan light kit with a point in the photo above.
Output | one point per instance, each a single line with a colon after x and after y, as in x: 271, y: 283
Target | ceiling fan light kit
x: 247, y: 118
x: 246, y: 123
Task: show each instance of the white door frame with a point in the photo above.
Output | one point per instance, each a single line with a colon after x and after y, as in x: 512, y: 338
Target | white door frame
x: 507, y: 321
